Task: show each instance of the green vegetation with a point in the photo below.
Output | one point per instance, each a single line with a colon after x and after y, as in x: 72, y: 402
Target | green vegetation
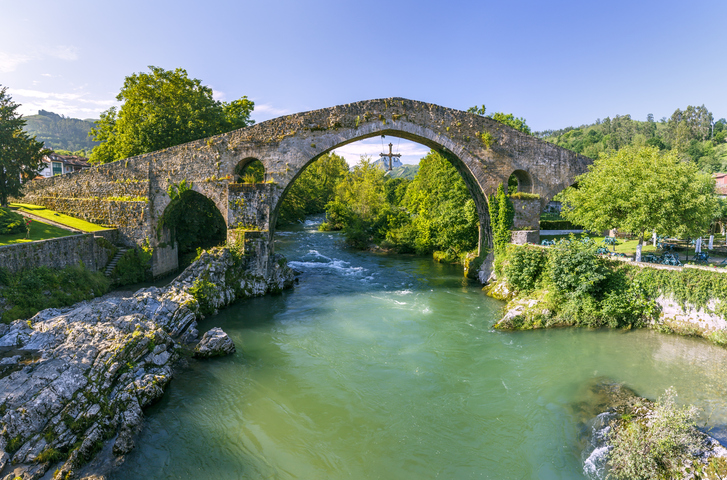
x: 252, y: 172
x: 432, y: 213
x: 575, y: 287
x: 30, y: 291
x: 11, y: 222
x: 691, y: 133
x: 658, y: 445
x: 60, y: 218
x: 406, y: 171
x: 507, y: 118
x: 64, y: 135
x: 313, y: 189
x: 20, y: 154
x: 133, y: 267
x: 161, y: 109
x: 639, y: 191
x: 501, y: 218
x: 38, y: 231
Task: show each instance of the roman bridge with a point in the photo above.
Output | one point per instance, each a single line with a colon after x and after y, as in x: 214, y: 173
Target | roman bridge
x: 133, y: 194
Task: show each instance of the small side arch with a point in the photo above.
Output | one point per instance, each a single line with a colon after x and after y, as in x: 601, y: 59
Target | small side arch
x: 249, y: 170
x: 523, y: 180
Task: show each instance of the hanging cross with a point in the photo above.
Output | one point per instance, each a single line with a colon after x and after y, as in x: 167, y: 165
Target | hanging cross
x: 390, y: 155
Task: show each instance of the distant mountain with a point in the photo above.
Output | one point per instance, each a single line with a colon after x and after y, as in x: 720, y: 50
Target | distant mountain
x: 383, y: 162
x: 60, y: 133
x: 405, y: 171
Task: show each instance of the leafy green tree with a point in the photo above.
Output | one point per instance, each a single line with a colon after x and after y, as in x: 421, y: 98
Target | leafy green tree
x: 313, y: 189
x: 442, y: 213
x: 21, y: 156
x: 641, y: 190
x: 161, y: 109
x: 502, y: 214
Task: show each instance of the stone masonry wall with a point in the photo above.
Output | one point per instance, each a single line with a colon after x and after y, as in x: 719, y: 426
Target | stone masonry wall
x: 527, y: 214
x: 56, y: 253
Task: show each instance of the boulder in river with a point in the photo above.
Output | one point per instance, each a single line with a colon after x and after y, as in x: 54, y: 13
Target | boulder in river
x: 214, y: 343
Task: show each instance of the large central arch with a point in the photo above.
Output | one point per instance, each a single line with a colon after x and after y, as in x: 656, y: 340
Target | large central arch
x: 409, y: 131
x: 484, y: 151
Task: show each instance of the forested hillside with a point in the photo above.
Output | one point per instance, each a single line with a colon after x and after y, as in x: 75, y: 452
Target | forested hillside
x: 60, y: 133
x: 692, y: 132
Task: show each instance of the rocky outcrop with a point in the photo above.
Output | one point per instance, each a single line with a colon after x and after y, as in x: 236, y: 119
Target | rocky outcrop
x: 620, y: 408
x: 214, y: 343
x: 76, y: 378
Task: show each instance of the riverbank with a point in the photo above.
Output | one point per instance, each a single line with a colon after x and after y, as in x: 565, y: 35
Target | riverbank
x: 570, y: 285
x: 78, y: 378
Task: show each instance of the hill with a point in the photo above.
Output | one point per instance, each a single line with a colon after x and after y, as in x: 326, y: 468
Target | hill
x: 384, y: 163
x: 60, y: 133
x: 692, y: 132
x: 405, y: 171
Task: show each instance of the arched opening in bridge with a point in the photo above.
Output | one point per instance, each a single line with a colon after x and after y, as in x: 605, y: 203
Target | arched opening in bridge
x: 520, y: 181
x: 194, y: 222
x: 249, y: 170
x: 424, y: 205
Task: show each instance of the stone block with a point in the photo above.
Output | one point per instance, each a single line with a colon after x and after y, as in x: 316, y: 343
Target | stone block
x: 521, y: 237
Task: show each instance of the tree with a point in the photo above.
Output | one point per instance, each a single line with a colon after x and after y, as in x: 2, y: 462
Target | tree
x: 161, y: 109
x: 641, y: 190
x: 502, y: 213
x: 313, y: 189
x: 21, y: 156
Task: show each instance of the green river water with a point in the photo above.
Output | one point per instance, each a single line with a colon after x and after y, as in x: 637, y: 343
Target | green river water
x: 387, y: 367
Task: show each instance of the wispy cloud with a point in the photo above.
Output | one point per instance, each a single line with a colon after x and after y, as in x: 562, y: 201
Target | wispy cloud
x: 9, y: 62
x: 75, y: 105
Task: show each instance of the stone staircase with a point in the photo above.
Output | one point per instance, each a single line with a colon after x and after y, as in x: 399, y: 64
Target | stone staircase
x: 112, y: 264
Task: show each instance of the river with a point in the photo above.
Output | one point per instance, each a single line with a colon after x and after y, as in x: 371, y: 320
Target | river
x: 387, y: 367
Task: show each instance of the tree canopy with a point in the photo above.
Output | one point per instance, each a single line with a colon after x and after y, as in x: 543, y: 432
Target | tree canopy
x: 21, y: 156
x: 691, y: 132
x: 161, y: 109
x: 640, y: 190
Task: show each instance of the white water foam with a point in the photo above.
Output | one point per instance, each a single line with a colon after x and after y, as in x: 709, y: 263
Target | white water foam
x: 596, y: 453
x: 313, y: 260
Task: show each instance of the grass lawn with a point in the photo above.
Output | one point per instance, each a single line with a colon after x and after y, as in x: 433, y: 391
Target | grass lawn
x: 38, y: 231
x: 72, y: 222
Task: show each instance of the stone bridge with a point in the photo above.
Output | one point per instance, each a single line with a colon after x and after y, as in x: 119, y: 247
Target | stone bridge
x: 132, y: 194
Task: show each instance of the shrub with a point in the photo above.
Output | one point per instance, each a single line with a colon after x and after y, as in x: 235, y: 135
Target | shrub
x: 558, y: 225
x: 574, y: 266
x: 11, y: 222
x: 30, y: 291
x: 133, y: 267
x: 524, y: 268
x: 657, y: 445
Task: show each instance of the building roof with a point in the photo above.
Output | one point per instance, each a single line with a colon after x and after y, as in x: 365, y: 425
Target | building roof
x: 74, y: 160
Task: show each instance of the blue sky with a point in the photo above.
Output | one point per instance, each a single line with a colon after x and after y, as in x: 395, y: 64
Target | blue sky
x: 555, y: 63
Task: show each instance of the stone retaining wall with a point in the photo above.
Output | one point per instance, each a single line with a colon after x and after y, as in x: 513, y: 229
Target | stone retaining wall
x: 56, y: 253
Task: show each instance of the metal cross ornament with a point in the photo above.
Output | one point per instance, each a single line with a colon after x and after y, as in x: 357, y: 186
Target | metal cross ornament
x: 391, y: 154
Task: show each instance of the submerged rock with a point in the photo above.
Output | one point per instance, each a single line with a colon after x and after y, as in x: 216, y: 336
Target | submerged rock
x: 621, y: 408
x: 214, y: 343
x: 81, y: 376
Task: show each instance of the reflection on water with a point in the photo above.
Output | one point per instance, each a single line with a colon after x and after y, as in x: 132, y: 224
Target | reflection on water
x: 387, y: 367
